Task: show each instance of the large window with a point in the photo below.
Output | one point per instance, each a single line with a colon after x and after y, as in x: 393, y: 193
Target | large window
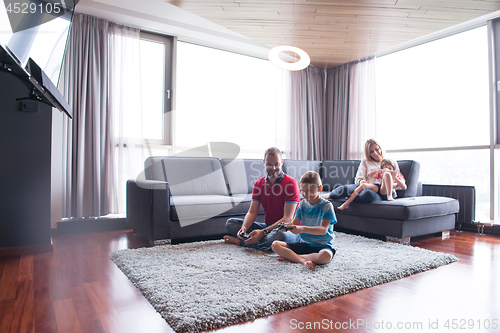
x: 156, y: 59
x: 433, y: 106
x: 437, y: 93
x: 223, y: 96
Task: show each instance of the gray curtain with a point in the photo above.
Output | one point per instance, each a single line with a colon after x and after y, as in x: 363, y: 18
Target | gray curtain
x: 307, y: 114
x: 337, y: 101
x: 90, y: 184
x: 89, y: 151
x: 350, y: 109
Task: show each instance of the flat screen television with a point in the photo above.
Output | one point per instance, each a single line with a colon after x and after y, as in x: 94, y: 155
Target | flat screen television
x: 35, y: 34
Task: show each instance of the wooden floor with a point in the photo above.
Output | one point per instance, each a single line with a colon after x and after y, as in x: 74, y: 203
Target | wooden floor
x: 77, y: 288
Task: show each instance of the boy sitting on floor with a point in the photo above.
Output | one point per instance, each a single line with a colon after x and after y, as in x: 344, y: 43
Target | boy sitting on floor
x: 316, y: 215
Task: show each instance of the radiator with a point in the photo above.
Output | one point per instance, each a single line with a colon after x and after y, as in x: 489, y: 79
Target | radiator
x: 466, y: 196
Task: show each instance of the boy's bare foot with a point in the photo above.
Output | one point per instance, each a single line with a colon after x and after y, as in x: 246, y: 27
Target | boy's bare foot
x: 281, y: 259
x: 390, y: 199
x: 231, y: 240
x: 309, y: 264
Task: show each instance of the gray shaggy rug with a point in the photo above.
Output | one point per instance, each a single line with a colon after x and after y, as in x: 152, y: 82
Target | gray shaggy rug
x: 206, y: 285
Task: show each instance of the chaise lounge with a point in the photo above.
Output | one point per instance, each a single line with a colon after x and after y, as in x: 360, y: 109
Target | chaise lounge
x: 188, y: 198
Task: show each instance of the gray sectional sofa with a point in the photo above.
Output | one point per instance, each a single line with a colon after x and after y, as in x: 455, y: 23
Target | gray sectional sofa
x: 187, y: 198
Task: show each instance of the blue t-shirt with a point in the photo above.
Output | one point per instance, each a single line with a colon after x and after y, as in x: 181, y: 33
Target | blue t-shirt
x: 311, y: 216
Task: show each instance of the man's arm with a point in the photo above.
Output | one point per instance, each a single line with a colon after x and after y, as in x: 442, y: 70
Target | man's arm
x: 250, y: 216
x: 288, y: 212
x: 257, y: 235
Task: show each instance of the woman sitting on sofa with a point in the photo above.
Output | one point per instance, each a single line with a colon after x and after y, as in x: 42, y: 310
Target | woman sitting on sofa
x: 373, y: 156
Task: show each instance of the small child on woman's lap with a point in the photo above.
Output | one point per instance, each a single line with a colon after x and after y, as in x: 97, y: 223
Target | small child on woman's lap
x: 317, y: 217
x: 388, y: 180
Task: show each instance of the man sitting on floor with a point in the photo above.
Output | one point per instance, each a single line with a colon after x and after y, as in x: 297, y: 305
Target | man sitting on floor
x: 279, y: 195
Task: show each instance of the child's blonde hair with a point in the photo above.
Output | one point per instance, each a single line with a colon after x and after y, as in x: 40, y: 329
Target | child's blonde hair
x: 311, y: 177
x: 388, y: 161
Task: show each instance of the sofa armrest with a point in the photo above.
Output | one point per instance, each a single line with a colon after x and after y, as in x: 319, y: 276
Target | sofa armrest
x: 419, y: 189
x: 148, y: 206
x: 150, y: 184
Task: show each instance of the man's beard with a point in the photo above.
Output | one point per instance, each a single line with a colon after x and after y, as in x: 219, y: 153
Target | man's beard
x: 274, y: 174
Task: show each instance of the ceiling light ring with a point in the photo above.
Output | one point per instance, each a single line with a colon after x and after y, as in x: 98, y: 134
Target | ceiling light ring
x: 274, y: 58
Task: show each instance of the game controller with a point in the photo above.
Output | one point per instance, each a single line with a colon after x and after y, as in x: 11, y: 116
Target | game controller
x: 244, y: 235
x: 284, y: 226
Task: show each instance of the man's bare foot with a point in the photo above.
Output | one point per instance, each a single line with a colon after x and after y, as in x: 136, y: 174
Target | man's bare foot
x: 345, y: 205
x: 281, y: 259
x: 231, y: 240
x: 390, y: 199
x: 309, y: 264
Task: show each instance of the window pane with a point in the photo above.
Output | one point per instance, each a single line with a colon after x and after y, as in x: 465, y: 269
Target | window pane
x: 435, y: 94
x: 153, y: 87
x: 456, y: 167
x: 223, y: 96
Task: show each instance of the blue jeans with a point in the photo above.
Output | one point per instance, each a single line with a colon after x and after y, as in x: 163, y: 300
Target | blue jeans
x: 345, y: 191
x: 233, y: 225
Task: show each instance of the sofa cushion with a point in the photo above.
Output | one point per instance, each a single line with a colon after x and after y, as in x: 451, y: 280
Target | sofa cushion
x: 189, y: 175
x: 241, y: 174
x: 336, y: 173
x: 195, y: 208
x: 198, y: 207
x: 402, y: 208
x: 153, y: 168
x: 296, y: 168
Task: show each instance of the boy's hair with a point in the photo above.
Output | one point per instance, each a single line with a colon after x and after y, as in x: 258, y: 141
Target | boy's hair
x: 311, y: 177
x: 389, y: 161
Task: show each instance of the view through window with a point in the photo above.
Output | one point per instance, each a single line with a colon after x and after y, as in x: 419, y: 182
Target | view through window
x: 436, y: 95
x: 153, y: 87
x: 224, y: 96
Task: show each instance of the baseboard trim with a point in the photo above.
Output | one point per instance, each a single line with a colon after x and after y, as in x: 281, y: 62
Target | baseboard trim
x: 71, y: 226
x: 30, y: 249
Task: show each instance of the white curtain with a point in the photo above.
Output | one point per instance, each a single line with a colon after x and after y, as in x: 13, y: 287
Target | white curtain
x: 361, y: 126
x: 98, y: 71
x: 125, y: 107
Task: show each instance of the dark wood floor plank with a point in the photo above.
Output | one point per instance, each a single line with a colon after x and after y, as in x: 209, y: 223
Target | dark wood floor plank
x: 8, y: 280
x: 85, y: 311
x: 77, y: 288
x: 25, y: 307
x: 45, y: 320
x: 66, y: 318
x: 25, y: 268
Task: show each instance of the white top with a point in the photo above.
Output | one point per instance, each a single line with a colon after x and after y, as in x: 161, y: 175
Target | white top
x: 365, y: 167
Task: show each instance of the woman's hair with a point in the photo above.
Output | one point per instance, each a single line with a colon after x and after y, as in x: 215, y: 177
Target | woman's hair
x: 389, y: 161
x: 368, y: 144
x: 311, y: 177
